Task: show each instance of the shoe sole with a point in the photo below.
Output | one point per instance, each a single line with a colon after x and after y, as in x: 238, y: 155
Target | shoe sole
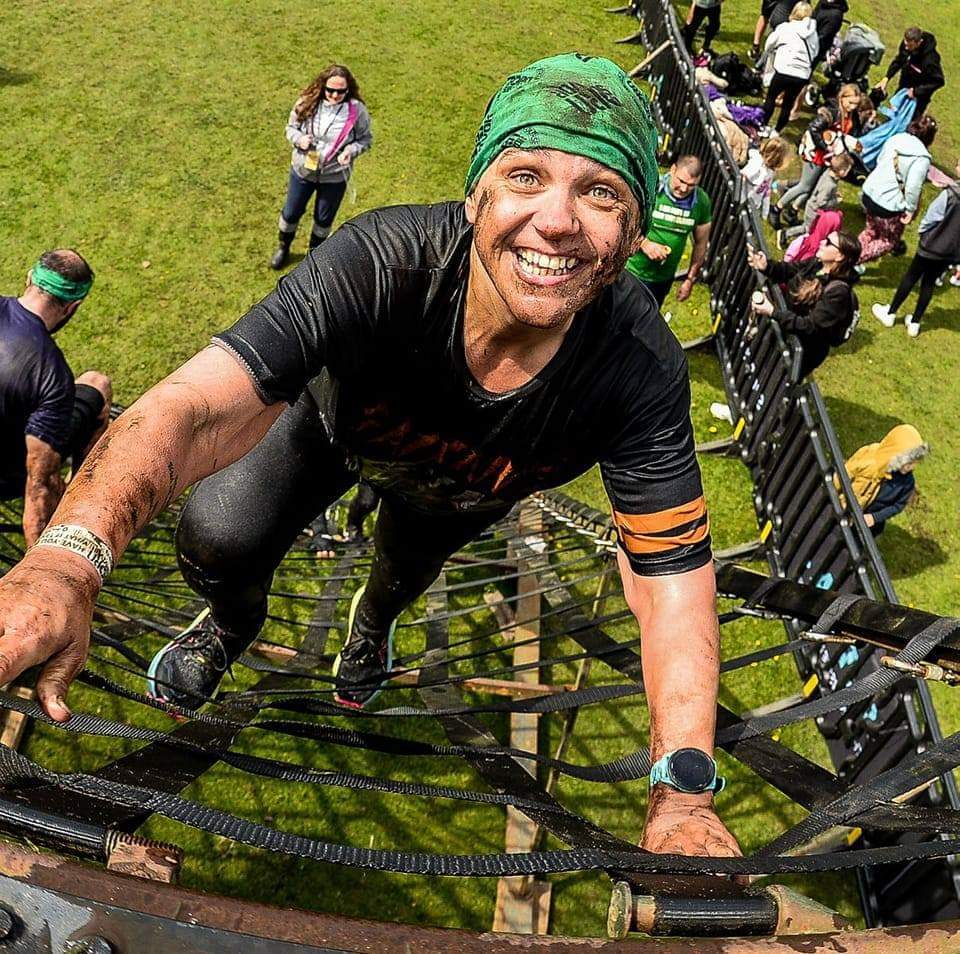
x: 152, y: 689
x: 354, y: 603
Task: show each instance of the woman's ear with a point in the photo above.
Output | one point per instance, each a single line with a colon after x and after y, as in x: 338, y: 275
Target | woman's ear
x: 470, y: 207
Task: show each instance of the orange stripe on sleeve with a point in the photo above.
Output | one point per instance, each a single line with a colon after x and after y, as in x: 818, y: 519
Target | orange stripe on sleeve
x: 679, y: 526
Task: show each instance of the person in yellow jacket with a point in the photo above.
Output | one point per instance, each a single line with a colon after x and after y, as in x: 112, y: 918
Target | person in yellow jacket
x: 881, y: 474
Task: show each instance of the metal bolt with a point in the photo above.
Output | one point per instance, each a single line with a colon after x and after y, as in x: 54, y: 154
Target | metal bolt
x: 8, y: 924
x: 90, y: 945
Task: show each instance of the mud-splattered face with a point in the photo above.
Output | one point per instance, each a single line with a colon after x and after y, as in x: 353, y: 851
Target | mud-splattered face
x: 551, y: 229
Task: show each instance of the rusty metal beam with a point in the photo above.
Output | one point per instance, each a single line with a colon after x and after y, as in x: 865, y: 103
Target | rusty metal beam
x: 51, y: 899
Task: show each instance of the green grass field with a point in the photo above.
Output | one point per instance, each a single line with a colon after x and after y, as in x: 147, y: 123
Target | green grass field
x: 150, y: 137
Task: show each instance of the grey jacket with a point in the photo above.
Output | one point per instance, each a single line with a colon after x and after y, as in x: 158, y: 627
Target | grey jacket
x: 324, y: 127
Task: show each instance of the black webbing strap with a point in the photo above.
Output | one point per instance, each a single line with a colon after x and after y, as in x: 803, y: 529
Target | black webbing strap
x: 15, y: 768
x: 877, y: 682
x: 915, y: 771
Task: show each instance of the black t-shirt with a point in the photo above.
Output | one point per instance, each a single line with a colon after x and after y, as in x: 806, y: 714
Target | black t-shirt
x: 372, y: 321
x: 36, y: 392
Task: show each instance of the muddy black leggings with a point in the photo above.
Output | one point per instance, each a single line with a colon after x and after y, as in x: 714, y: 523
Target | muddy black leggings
x: 239, y: 523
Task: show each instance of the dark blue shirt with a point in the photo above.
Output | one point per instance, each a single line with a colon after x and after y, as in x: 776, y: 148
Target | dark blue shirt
x: 893, y: 496
x: 36, y: 391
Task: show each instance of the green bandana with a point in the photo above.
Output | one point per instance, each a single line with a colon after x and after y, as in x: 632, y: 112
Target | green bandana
x: 584, y: 105
x: 57, y: 285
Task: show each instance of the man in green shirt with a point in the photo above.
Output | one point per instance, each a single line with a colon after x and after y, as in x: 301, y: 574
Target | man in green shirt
x: 681, y: 207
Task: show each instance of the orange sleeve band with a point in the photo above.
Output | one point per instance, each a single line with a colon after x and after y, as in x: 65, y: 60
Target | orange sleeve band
x: 684, y: 525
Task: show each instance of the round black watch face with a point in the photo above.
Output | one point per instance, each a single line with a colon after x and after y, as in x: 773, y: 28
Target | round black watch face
x: 691, y: 769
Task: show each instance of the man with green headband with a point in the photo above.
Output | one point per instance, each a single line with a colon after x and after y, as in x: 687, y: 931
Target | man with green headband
x: 45, y: 416
x: 457, y: 357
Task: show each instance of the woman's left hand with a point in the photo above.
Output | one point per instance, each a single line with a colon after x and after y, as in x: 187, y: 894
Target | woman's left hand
x: 344, y: 158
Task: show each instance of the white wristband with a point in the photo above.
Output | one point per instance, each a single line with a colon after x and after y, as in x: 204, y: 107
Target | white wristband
x: 81, y: 541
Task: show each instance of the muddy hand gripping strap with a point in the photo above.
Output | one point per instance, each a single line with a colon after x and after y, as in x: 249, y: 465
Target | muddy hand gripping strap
x: 583, y: 105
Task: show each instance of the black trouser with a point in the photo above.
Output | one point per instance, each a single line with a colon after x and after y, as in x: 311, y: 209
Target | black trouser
x: 923, y: 270
x: 790, y: 86
x: 712, y: 16
x: 239, y: 523
x: 921, y: 99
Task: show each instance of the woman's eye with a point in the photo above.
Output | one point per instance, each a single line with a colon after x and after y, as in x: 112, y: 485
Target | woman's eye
x: 603, y: 192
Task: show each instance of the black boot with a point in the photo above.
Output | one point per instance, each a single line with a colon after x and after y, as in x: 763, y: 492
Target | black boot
x: 315, y: 240
x: 282, y: 255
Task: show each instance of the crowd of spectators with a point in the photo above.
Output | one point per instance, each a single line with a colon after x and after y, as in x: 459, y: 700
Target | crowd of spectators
x: 856, y: 135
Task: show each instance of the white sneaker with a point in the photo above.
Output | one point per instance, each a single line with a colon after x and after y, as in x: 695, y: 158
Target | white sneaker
x: 882, y: 314
x: 913, y: 327
x: 860, y: 269
x: 955, y: 279
x: 721, y: 412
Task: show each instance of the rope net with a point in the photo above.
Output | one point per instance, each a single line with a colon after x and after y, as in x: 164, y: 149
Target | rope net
x: 273, y: 762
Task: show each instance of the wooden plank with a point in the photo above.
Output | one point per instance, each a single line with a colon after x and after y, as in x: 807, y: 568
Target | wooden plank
x: 13, y: 724
x: 411, y: 677
x: 523, y: 904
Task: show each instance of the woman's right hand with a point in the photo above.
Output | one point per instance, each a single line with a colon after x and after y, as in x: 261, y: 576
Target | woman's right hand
x: 46, y: 607
x: 756, y: 259
x: 304, y: 142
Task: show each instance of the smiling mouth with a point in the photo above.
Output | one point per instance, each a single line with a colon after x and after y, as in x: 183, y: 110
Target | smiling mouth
x: 539, y: 265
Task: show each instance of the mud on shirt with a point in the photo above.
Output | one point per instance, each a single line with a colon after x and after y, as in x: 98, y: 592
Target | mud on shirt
x: 372, y: 323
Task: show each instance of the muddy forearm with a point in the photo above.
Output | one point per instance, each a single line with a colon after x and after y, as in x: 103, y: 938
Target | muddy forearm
x: 201, y: 418
x: 40, y: 499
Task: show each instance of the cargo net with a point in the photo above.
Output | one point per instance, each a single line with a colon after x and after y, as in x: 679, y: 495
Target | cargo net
x: 528, y: 621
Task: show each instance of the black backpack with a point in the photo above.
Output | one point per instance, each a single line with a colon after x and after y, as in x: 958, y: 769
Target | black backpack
x: 742, y: 80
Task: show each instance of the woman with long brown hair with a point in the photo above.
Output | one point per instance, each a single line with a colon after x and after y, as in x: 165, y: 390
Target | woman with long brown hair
x: 821, y: 307
x: 329, y: 126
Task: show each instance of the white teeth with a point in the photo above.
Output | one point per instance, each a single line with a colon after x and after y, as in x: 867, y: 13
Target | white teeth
x: 535, y: 263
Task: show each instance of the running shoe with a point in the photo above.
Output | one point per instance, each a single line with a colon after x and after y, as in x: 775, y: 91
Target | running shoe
x: 955, y: 279
x: 913, y: 327
x: 189, y: 668
x: 883, y: 315
x: 361, y: 667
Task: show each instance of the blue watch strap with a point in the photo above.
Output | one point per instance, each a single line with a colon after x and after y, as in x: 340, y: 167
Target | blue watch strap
x: 660, y: 772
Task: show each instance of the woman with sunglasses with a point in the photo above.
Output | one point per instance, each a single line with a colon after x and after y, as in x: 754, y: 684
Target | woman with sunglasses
x: 821, y: 307
x: 329, y: 126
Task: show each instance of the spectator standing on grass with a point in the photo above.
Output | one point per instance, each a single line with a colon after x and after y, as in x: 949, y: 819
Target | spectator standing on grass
x: 45, y: 416
x: 891, y: 193
x: 681, y: 209
x: 828, y: 15
x: 918, y: 63
x: 329, y: 126
x: 825, y: 136
x: 881, y: 474
x: 772, y: 14
x: 793, y: 47
x: 939, y: 245
x: 821, y: 307
x: 701, y: 10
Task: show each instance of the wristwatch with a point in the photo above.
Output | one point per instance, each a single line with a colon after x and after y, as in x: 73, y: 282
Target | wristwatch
x: 687, y: 770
